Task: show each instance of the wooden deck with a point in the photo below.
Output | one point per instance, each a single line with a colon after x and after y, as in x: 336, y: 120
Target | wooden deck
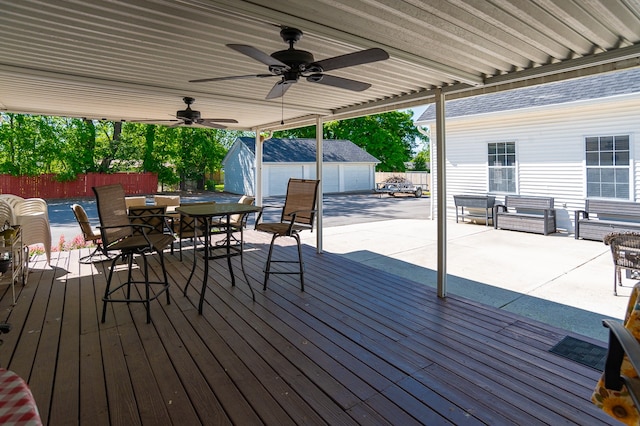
x: 357, y: 347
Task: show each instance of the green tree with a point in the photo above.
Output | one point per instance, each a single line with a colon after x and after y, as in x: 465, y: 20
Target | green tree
x: 421, y: 161
x: 29, y: 144
x: 77, y: 149
x: 390, y: 137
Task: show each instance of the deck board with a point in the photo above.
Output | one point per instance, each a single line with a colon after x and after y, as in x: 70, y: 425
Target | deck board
x: 359, y: 346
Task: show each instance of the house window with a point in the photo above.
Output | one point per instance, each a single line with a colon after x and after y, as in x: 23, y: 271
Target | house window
x: 502, y: 167
x: 608, y: 166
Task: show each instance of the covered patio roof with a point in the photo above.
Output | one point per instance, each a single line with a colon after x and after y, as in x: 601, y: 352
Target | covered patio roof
x: 132, y: 60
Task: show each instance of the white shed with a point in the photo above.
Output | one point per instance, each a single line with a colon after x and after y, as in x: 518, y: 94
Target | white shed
x: 346, y: 166
x: 570, y: 140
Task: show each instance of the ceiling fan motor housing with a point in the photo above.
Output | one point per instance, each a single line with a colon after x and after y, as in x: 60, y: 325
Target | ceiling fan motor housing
x: 188, y: 114
x: 294, y: 58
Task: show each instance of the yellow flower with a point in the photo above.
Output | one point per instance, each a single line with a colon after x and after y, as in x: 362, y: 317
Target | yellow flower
x: 622, y: 409
x: 626, y: 369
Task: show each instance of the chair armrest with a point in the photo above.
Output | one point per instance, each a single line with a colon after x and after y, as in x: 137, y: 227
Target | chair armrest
x: 168, y: 219
x: 500, y: 207
x: 295, y: 213
x: 142, y: 228
x: 621, y: 342
x: 583, y: 213
x: 262, y: 209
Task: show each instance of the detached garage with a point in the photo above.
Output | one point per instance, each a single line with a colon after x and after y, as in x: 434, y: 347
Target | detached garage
x: 346, y: 166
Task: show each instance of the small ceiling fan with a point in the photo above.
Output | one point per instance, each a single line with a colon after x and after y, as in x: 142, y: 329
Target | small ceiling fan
x: 291, y: 64
x: 190, y: 117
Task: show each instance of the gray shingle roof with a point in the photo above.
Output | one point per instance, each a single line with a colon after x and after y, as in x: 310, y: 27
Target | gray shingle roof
x: 601, y: 86
x: 304, y: 151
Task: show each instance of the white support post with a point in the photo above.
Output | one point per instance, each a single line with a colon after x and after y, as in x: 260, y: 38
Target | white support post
x: 258, y: 169
x: 319, y: 157
x: 441, y: 194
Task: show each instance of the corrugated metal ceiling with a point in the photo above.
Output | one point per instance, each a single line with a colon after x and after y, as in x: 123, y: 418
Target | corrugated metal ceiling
x: 132, y: 59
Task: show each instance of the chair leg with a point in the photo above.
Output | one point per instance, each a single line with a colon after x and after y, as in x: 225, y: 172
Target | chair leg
x: 105, y: 299
x: 297, y: 237
x: 147, y: 290
x: 129, y: 274
x: 267, y: 268
x: 164, y: 275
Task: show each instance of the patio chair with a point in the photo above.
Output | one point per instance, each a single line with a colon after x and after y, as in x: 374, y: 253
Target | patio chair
x: 625, y: 249
x: 618, y: 389
x: 297, y: 215
x: 237, y: 222
x: 32, y: 214
x: 153, y: 216
x: 89, y: 235
x: 184, y: 228
x: 171, y: 202
x: 135, y: 201
x: 119, y: 233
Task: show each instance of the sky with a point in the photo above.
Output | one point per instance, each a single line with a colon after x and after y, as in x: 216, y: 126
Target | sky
x: 417, y: 112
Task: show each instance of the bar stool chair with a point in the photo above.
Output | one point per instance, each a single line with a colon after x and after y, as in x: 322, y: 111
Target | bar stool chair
x: 297, y: 215
x: 120, y: 234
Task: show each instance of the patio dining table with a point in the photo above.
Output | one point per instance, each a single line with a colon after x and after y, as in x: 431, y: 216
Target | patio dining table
x: 206, y: 212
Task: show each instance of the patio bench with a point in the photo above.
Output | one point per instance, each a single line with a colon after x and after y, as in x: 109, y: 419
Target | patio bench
x: 478, y: 207
x: 526, y: 213
x: 602, y: 217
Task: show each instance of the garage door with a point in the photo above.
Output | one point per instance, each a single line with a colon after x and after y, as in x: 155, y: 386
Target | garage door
x: 330, y: 178
x: 278, y: 178
x: 357, y: 178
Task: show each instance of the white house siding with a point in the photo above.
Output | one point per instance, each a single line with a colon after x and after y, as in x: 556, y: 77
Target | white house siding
x: 549, y: 149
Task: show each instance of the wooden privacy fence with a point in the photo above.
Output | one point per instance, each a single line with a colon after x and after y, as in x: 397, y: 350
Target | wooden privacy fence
x: 47, y: 187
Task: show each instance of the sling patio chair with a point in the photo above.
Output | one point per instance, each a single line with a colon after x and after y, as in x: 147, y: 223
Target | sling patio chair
x: 237, y: 222
x: 171, y: 202
x: 119, y: 233
x: 185, y: 228
x: 297, y: 215
x: 90, y: 236
x: 625, y: 249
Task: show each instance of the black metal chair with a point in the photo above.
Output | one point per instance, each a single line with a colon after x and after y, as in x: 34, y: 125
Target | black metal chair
x: 298, y: 214
x: 237, y: 222
x: 185, y: 228
x: 119, y: 233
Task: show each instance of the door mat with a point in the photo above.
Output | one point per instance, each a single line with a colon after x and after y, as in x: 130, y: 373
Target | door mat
x: 580, y: 351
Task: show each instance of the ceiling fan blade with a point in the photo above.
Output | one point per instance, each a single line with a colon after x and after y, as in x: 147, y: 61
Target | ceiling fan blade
x: 220, y: 120
x: 233, y: 77
x: 208, y: 124
x: 350, y: 59
x: 258, y: 55
x: 278, y: 89
x: 151, y: 121
x: 179, y: 123
x: 343, y: 83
